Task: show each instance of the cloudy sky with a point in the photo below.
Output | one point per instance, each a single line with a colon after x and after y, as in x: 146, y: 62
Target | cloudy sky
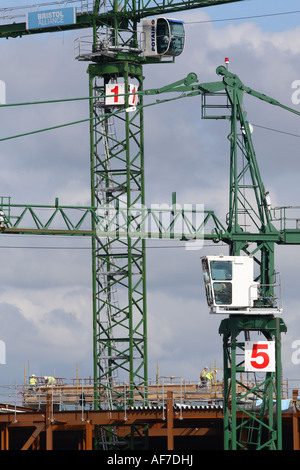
x: 45, y: 289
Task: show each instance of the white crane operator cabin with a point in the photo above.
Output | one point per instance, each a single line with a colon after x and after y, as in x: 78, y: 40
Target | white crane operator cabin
x: 163, y: 37
x: 229, y: 283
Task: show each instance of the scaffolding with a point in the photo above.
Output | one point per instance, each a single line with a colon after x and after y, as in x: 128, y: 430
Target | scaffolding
x: 79, y: 393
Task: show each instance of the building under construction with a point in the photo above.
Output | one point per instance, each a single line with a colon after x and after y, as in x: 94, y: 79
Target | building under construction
x: 177, y: 416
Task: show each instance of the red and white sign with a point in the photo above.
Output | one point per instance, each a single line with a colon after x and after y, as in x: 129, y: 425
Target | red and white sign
x: 115, y: 94
x: 260, y: 356
x: 133, y: 97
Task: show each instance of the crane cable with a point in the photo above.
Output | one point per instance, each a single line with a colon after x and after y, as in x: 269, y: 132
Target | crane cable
x: 239, y: 18
x: 106, y: 115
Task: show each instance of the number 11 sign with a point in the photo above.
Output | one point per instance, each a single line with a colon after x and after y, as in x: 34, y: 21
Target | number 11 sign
x: 115, y: 94
x: 260, y: 356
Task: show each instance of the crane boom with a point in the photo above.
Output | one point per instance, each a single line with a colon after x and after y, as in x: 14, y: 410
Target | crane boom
x: 129, y: 11
x: 232, y: 79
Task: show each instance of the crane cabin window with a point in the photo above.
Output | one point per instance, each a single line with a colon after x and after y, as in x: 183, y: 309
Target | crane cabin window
x: 221, y: 270
x: 223, y: 293
x: 170, y: 37
x: 207, y: 284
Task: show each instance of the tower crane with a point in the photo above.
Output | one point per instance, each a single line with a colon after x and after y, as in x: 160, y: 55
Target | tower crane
x: 116, y: 56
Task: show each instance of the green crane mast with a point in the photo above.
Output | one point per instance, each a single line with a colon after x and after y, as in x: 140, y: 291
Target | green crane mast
x: 251, y: 231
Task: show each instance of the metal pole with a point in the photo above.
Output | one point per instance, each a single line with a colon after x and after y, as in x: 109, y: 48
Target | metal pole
x: 278, y: 383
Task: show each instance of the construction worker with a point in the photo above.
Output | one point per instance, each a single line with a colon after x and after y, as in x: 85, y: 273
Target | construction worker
x: 211, y: 375
x: 32, y: 383
x: 49, y: 381
x: 203, y: 377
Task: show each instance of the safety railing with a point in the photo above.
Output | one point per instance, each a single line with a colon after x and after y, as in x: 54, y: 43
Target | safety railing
x: 273, y: 299
x: 109, y: 42
x: 288, y: 217
x: 82, y: 395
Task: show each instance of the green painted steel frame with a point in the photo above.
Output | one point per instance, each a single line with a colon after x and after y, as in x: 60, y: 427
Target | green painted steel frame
x: 117, y: 173
x: 247, y: 195
x: 240, y: 421
x: 79, y: 220
x: 247, y: 199
x: 131, y: 11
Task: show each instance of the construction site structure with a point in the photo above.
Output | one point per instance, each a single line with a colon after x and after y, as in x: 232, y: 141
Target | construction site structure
x: 72, y: 393
x: 179, y: 414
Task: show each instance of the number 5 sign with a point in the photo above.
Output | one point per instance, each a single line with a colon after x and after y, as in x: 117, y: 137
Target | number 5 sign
x: 260, y: 356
